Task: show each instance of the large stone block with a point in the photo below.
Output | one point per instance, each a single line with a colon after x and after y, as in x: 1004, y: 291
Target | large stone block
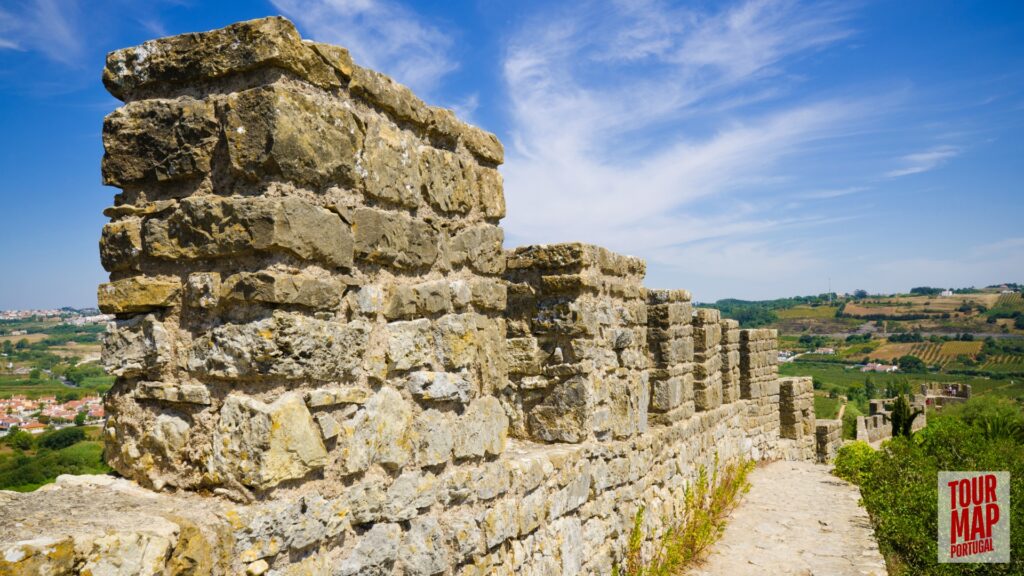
x: 205, y: 227
x: 276, y: 287
x: 284, y: 345
x: 275, y: 131
x: 141, y: 345
x: 169, y: 64
x: 158, y: 141
x: 262, y: 445
x: 137, y: 294
x: 394, y: 239
x: 121, y: 245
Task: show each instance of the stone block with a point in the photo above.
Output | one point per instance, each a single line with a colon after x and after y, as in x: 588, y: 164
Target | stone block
x: 277, y: 131
x: 136, y: 347
x: 284, y: 345
x: 205, y: 227
x: 479, y: 247
x: 170, y: 63
x: 159, y: 141
x: 389, y: 165
x: 121, y: 245
x: 482, y: 429
x: 262, y: 445
x: 137, y: 294
x: 394, y: 239
x: 275, y: 287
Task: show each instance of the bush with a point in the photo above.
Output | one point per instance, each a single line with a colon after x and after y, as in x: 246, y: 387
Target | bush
x: 854, y: 460
x: 899, y: 489
x: 61, y: 438
x: 26, y: 473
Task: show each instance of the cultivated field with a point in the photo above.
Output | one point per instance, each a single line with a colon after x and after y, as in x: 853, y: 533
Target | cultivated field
x: 807, y: 312
x: 931, y: 305
x: 933, y: 353
x: 32, y: 338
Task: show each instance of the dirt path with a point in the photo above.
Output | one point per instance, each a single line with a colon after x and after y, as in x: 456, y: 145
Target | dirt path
x: 797, y: 519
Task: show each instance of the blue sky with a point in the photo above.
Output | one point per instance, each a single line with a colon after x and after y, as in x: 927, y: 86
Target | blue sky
x: 748, y: 149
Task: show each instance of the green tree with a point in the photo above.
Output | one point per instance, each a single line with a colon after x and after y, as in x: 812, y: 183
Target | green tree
x: 911, y: 363
x: 61, y: 438
x: 80, y: 418
x: 22, y: 344
x: 19, y: 439
x: 870, y: 388
x: 902, y: 417
x: 8, y: 348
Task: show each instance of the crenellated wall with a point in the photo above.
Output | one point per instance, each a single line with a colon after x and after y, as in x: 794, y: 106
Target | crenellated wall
x: 327, y: 362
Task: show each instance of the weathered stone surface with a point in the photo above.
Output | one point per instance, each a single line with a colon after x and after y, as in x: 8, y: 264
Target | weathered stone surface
x: 121, y: 245
x: 202, y: 290
x: 438, y: 386
x: 286, y: 345
x: 264, y: 444
x: 479, y: 247
x: 375, y: 552
x: 444, y: 181
x: 433, y: 436
x: 205, y: 227
x: 410, y: 492
x: 566, y: 413
x: 380, y: 433
x: 482, y: 429
x: 273, y: 287
x: 137, y: 294
x: 410, y: 344
x: 394, y: 239
x: 276, y: 131
x: 137, y: 346
x: 159, y: 140
x: 174, y: 61
x: 182, y: 393
x: 138, y: 533
x: 423, y: 550
x: 388, y: 168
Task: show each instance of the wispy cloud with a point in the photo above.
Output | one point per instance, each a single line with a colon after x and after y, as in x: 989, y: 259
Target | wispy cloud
x: 832, y: 193
x: 629, y: 118
x: 381, y: 34
x: 923, y: 161
x: 46, y: 26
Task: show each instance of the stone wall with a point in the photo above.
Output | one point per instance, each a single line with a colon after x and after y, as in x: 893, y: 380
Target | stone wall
x: 670, y: 346
x: 796, y: 413
x: 828, y: 439
x: 327, y: 363
x: 577, y: 328
x: 873, y: 428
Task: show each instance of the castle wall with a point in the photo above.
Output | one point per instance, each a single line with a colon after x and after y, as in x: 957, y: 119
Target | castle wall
x: 322, y: 346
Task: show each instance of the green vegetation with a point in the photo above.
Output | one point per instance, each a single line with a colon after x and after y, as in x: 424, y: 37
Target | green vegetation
x: 38, y: 460
x: 825, y: 407
x: 899, y: 489
x: 707, y: 504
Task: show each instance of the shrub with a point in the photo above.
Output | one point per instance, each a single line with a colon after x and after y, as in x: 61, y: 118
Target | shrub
x: 61, y: 438
x: 854, y: 460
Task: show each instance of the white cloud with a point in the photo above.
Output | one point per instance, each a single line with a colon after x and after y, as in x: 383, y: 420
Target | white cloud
x: 380, y: 34
x: 46, y: 26
x: 923, y: 161
x: 629, y: 120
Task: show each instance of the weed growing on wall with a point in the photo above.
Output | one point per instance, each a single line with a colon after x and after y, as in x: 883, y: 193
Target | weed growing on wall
x: 708, y: 501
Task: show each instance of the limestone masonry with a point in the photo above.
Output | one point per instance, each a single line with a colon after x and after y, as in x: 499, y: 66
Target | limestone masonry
x: 328, y: 363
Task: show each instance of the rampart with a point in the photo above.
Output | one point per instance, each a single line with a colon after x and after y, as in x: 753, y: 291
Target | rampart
x: 327, y: 362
